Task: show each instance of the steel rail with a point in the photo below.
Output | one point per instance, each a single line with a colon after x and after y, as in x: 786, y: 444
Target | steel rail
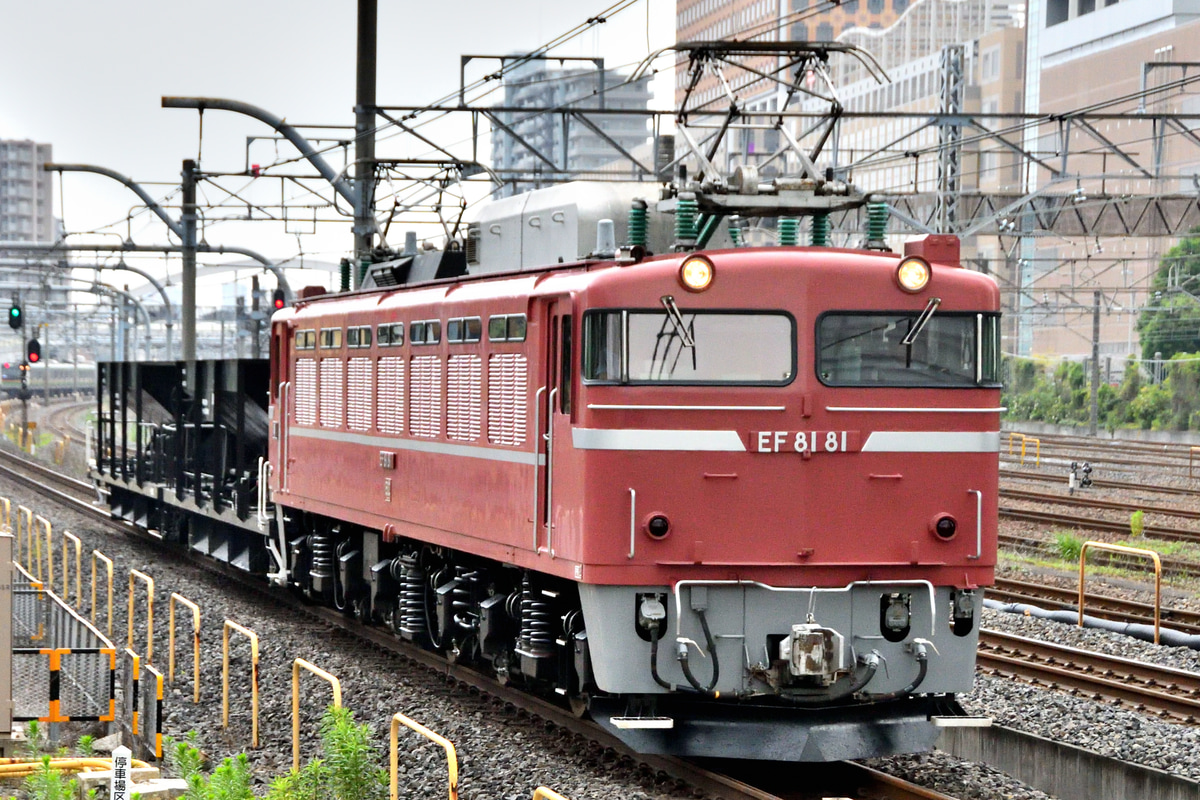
x: 1091, y: 523
x: 1104, y: 606
x: 1023, y: 475
x: 1038, y: 546
x: 1094, y: 502
x: 1164, y: 691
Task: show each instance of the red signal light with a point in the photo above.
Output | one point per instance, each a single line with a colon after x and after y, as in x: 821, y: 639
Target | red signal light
x: 33, y: 358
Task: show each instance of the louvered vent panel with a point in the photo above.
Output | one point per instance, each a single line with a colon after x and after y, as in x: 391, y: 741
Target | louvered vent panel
x: 360, y: 397
x: 333, y: 388
x: 508, y: 375
x: 391, y: 395
x: 464, y: 398
x: 306, y: 392
x: 425, y: 401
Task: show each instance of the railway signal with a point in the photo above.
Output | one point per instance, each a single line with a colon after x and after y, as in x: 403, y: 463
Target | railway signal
x: 33, y: 351
x: 278, y: 301
x: 15, y: 317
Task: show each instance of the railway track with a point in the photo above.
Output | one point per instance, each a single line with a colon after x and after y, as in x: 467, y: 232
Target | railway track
x: 1105, y: 607
x: 1168, y: 693
x: 855, y: 780
x: 1024, y: 475
x: 1091, y: 523
x: 1095, y: 502
x: 1177, y: 567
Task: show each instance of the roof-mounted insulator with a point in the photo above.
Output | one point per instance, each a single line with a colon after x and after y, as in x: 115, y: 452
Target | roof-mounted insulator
x: 686, y: 212
x: 637, y: 223
x: 787, y: 232
x: 877, y: 219
x: 820, y: 230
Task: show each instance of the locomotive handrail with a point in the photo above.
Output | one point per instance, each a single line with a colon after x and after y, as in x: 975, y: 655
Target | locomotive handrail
x: 175, y: 596
x: 978, y: 523
x: 798, y: 589
x: 550, y: 471
x: 451, y: 755
x: 632, y: 519
x: 1136, y: 551
x: 537, y: 452
x: 333, y: 682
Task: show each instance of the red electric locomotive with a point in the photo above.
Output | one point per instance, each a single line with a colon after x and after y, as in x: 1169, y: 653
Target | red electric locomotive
x: 738, y: 502
x: 733, y: 501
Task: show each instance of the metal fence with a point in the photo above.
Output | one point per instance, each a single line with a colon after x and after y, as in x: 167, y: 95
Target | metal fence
x: 63, y: 668
x: 142, y: 707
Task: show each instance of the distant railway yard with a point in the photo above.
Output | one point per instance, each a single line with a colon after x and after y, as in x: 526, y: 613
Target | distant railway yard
x: 1117, y: 696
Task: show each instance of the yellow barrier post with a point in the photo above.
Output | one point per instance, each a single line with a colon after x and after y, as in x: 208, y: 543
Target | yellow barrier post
x: 253, y: 637
x: 451, y: 756
x: 1191, y: 455
x: 337, y: 701
x: 542, y: 793
x: 1014, y: 435
x: 46, y: 528
x: 1037, y: 444
x: 135, y: 576
x: 1117, y: 548
x: 68, y: 536
x: 195, y: 640
x: 96, y: 554
x: 25, y: 530
x: 7, y: 524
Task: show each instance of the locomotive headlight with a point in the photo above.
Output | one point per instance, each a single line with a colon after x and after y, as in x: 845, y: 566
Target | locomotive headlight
x: 913, y: 274
x: 696, y: 274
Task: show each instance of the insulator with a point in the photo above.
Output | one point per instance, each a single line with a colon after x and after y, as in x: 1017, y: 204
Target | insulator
x: 735, y: 232
x: 877, y: 219
x: 537, y: 622
x: 462, y: 599
x: 413, y: 620
x: 820, y: 230
x: 637, y: 224
x: 787, y: 234
x: 686, y: 212
x: 321, y: 546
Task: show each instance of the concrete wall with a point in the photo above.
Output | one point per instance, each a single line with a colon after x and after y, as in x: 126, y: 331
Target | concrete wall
x: 1062, y: 770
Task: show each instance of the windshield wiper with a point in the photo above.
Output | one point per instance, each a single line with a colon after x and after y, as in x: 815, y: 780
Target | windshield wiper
x: 921, y: 321
x: 677, y: 320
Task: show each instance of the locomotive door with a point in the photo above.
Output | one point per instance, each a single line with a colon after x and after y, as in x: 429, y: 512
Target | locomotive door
x: 553, y: 412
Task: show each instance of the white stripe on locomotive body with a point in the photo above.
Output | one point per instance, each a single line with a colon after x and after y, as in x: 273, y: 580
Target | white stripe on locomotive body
x: 641, y: 439
x: 932, y: 442
x: 417, y: 445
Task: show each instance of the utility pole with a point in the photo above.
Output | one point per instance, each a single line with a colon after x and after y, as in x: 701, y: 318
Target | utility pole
x: 188, y: 310
x: 364, y: 140
x: 256, y: 315
x: 45, y: 329
x: 1093, y: 418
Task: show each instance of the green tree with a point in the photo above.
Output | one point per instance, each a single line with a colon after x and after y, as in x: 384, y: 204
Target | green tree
x: 1170, y: 323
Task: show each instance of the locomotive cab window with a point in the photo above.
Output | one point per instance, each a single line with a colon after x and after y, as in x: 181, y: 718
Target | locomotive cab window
x: 689, y: 347
x: 898, y: 349
x: 306, y: 340
x: 358, y: 337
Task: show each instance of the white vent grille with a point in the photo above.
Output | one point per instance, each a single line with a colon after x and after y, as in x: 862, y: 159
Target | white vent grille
x: 464, y: 397
x: 508, y: 377
x: 360, y: 397
x: 391, y: 395
x: 333, y: 372
x: 306, y: 391
x: 425, y: 397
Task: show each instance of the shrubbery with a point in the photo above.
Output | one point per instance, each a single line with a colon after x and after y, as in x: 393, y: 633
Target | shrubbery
x: 1061, y: 394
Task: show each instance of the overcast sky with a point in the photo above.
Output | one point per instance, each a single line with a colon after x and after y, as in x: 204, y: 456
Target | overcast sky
x: 88, y: 78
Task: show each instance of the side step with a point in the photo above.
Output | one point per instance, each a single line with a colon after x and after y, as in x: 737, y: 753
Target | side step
x: 642, y: 723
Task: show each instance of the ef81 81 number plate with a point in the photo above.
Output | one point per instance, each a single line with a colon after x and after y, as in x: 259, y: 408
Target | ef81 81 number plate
x: 805, y: 441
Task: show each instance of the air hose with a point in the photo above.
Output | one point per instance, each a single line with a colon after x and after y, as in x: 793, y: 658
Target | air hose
x: 922, y: 671
x: 687, y: 670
